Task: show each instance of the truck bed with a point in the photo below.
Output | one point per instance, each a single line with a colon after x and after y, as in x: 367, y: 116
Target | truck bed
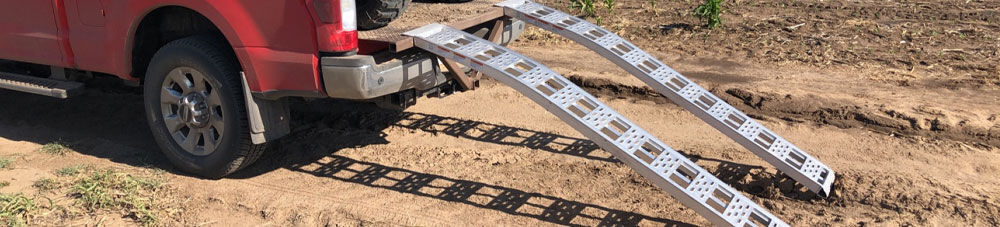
x: 457, y: 15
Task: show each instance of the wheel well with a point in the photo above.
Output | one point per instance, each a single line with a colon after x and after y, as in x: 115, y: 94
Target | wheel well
x: 166, y: 24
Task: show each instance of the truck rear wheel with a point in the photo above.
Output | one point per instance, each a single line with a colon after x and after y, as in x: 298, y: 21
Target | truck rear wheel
x: 195, y: 107
x: 374, y: 14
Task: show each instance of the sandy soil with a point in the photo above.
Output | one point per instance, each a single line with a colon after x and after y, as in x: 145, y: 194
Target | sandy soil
x: 910, y: 129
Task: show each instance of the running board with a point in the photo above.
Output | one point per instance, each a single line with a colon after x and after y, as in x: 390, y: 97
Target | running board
x: 40, y: 86
x: 693, y: 186
x: 777, y: 151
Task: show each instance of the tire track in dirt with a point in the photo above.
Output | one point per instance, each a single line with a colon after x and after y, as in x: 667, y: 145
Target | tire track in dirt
x: 844, y: 114
x: 853, y: 189
x: 816, y: 110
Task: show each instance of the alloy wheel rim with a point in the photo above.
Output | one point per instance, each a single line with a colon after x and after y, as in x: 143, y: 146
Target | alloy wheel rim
x: 192, y: 111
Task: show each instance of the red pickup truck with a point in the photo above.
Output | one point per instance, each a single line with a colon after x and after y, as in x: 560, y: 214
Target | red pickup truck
x: 216, y: 74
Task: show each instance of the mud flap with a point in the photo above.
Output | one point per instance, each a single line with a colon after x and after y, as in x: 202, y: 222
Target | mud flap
x: 269, y: 119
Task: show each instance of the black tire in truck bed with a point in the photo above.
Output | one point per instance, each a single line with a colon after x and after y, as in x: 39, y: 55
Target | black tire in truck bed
x: 457, y: 15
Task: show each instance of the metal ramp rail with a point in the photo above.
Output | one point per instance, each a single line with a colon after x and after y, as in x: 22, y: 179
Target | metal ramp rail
x: 693, y: 186
x: 777, y: 151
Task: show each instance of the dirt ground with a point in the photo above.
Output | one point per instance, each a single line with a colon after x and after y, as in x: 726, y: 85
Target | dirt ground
x: 898, y: 97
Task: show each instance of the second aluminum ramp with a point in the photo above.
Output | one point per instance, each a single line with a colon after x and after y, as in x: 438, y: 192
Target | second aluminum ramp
x: 693, y: 186
x: 777, y: 151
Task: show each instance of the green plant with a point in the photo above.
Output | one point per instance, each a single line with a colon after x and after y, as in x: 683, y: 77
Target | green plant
x: 589, y: 9
x: 45, y: 184
x: 15, y: 209
x: 54, y: 148
x: 70, y: 170
x: 709, y: 11
x: 6, y: 162
x: 4, y: 184
x: 586, y: 7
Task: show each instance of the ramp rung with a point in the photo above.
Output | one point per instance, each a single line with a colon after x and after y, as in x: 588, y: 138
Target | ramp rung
x: 766, y: 144
x: 683, y: 179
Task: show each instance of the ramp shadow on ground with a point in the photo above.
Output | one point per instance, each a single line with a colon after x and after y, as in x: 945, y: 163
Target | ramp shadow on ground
x: 107, y: 122
x: 336, y: 125
x: 508, y: 200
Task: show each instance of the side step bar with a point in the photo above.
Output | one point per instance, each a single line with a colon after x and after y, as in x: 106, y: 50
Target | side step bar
x: 766, y: 144
x: 41, y: 86
x: 683, y: 179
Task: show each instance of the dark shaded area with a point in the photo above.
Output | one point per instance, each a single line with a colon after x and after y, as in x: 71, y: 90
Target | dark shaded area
x: 505, y: 135
x: 667, y: 28
x: 106, y: 121
x: 610, y: 88
x: 324, y: 127
x: 508, y: 200
x: 106, y: 113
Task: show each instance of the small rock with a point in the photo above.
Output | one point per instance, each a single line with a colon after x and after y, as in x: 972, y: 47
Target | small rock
x: 939, y: 124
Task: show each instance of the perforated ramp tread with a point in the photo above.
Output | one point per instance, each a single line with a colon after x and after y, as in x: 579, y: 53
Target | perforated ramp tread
x: 774, y: 149
x: 693, y: 186
x: 40, y: 86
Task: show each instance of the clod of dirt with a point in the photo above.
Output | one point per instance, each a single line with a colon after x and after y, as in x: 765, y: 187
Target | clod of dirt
x: 845, y: 114
x: 606, y: 87
x: 925, y: 121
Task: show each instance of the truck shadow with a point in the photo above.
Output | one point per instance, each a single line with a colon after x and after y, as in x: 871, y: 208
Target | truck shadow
x: 108, y: 123
x: 329, y: 126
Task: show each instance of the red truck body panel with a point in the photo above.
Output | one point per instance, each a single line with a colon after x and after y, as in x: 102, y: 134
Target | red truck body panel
x: 275, y: 41
x: 29, y: 32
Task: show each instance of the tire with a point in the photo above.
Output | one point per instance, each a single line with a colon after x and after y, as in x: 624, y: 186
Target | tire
x: 194, y: 84
x: 374, y: 14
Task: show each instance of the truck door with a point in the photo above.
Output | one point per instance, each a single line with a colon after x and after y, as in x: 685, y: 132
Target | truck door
x: 29, y: 32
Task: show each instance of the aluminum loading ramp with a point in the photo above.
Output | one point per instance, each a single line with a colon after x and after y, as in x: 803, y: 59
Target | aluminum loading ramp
x: 693, y: 186
x: 777, y: 151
